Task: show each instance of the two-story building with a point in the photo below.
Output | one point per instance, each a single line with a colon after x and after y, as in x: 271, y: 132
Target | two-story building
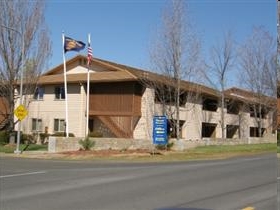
x: 123, y: 101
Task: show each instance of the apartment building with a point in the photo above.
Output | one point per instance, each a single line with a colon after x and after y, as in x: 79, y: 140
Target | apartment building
x: 123, y: 101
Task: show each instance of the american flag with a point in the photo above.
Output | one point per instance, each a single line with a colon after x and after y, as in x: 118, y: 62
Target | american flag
x: 89, y: 54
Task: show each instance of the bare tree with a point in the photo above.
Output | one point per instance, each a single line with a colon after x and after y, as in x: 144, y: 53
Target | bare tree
x: 24, y: 44
x: 222, y: 57
x: 174, y: 53
x: 258, y: 69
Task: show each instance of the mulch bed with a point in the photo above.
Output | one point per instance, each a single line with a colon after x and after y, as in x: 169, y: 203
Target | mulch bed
x: 106, y: 153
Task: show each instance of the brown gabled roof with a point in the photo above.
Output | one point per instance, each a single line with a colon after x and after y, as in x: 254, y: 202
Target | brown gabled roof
x: 114, y: 72
x: 82, y: 60
x: 111, y: 73
x: 248, y: 96
x: 146, y: 76
x: 82, y: 77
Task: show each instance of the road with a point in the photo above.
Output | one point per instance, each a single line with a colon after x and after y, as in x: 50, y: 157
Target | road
x: 237, y: 183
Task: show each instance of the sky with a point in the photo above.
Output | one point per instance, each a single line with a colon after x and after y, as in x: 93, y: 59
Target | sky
x: 122, y: 30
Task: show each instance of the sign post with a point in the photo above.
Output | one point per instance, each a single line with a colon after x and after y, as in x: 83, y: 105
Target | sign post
x: 20, y: 113
x: 160, y: 130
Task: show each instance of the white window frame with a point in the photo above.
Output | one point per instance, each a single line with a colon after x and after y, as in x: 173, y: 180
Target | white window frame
x: 39, y: 93
x: 59, y: 95
x: 60, y: 127
x: 36, y: 124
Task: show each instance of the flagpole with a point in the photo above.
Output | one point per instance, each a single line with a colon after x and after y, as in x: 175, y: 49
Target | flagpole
x: 65, y: 88
x: 87, y: 114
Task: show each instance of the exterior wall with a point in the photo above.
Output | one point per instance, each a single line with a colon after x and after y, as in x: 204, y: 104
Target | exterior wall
x: 193, y: 116
x: 117, y: 105
x: 4, y: 111
x: 192, y: 126
x: 77, y: 109
x: 144, y: 127
x: 77, y: 70
x: 100, y: 127
x: 49, y: 109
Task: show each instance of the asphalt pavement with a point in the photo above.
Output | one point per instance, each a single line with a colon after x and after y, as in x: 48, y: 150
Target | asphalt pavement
x: 232, y: 184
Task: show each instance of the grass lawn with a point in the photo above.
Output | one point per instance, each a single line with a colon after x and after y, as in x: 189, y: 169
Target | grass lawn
x: 220, y: 151
x: 237, y: 148
x: 199, y: 153
x: 32, y: 147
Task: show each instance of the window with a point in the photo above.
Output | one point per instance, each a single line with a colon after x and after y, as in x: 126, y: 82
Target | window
x: 39, y: 93
x: 208, y: 130
x: 59, y: 125
x: 168, y: 96
x: 256, y: 132
x: 232, y: 131
x: 210, y: 104
x: 254, y: 112
x: 36, y: 124
x: 233, y: 107
x: 59, y: 92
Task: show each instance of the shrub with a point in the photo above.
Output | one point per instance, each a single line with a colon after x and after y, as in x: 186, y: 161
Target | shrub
x: 26, y: 138
x: 62, y: 134
x: 95, y: 134
x: 43, y: 137
x: 86, y: 143
x: 165, y: 146
x: 4, y: 137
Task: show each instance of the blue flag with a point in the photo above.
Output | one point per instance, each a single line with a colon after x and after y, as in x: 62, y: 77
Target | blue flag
x: 73, y: 45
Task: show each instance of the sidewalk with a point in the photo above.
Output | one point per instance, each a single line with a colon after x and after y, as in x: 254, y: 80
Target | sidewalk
x: 32, y: 154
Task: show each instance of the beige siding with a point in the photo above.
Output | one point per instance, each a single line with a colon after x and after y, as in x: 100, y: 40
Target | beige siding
x: 49, y: 109
x: 77, y: 110
x: 77, y: 70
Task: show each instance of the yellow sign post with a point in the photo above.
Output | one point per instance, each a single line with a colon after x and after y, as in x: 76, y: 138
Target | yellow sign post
x: 20, y: 112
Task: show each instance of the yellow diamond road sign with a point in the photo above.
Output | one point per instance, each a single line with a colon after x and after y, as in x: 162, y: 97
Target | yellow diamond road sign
x: 20, y: 112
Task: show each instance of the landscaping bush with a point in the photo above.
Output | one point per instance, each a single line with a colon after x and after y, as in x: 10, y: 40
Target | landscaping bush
x: 62, y: 134
x: 4, y: 137
x: 26, y: 138
x: 43, y: 137
x: 167, y: 146
x: 86, y: 143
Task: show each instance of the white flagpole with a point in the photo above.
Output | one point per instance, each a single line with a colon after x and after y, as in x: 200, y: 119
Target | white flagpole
x: 65, y: 89
x: 87, y: 117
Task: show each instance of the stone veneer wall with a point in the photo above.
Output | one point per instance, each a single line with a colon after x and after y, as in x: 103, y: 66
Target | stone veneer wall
x: 187, y: 144
x: 61, y: 144
x: 143, y: 129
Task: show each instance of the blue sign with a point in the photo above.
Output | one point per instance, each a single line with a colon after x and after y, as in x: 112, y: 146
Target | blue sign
x: 160, y: 130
